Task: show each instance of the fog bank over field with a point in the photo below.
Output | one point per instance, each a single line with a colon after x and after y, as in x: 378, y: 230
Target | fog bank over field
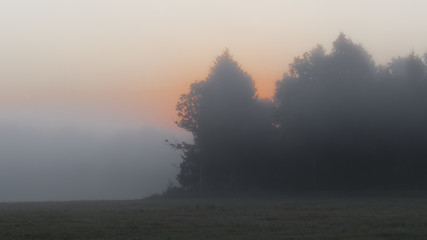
x: 51, y: 154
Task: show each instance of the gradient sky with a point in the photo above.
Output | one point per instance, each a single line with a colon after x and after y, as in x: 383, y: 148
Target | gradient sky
x: 136, y: 57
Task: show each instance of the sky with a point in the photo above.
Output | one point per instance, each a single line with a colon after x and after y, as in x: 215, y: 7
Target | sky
x: 79, y: 64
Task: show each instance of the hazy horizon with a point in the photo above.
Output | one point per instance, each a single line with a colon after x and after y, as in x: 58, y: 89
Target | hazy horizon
x: 81, y: 156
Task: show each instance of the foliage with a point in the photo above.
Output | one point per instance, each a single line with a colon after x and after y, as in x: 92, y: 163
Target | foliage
x: 337, y: 121
x: 221, y: 113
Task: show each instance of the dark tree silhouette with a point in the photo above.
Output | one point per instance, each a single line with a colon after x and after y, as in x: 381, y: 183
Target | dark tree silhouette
x: 189, y: 175
x: 346, y: 123
x: 337, y: 121
x: 218, y: 112
x: 318, y: 113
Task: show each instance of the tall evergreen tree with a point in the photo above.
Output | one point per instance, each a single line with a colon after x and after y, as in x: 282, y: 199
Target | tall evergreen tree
x: 217, y: 111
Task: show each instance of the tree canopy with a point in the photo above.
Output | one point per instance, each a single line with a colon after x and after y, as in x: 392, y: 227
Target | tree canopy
x: 337, y: 121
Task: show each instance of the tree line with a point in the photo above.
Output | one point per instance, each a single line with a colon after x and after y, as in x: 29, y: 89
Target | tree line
x: 337, y: 121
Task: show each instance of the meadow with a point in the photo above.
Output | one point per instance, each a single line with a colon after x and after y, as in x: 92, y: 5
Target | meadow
x: 367, y: 216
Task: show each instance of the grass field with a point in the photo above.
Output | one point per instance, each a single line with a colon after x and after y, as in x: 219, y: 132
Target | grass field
x: 304, y: 216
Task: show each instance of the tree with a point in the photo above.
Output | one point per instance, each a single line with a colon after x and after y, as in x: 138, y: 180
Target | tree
x: 337, y: 121
x: 217, y: 112
x: 189, y: 174
x: 406, y: 101
x: 318, y: 106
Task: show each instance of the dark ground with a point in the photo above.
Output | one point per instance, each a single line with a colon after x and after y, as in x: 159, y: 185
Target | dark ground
x: 398, y: 215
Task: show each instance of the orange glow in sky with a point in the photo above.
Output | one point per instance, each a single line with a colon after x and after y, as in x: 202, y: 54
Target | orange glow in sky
x: 137, y: 57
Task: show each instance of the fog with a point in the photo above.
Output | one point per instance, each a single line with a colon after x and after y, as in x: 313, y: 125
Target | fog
x: 71, y: 154
x: 137, y: 58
